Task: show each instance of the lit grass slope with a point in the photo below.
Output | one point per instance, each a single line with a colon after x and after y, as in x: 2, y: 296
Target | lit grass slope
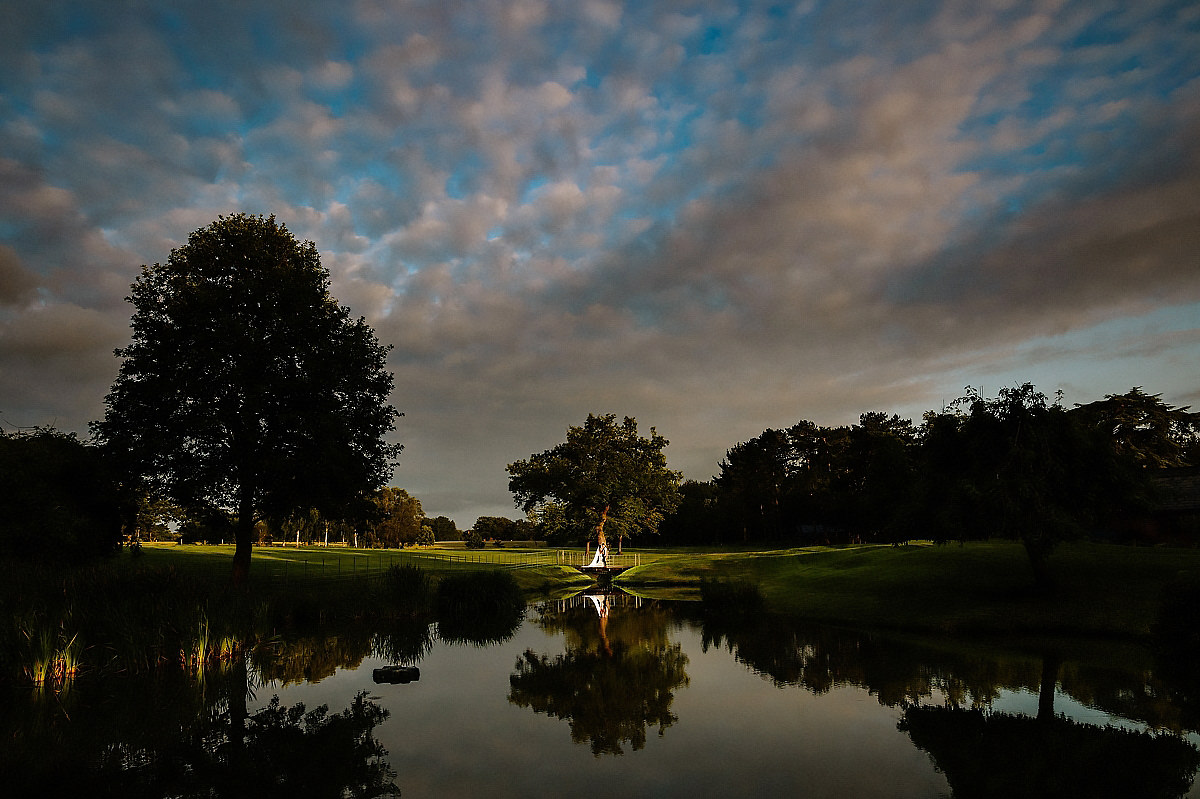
x: 976, y: 588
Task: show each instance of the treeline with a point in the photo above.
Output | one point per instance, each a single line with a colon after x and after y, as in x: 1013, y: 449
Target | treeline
x: 390, y: 517
x: 63, y: 501
x: 1018, y: 466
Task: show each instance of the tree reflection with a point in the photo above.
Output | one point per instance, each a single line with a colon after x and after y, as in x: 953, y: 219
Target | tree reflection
x: 981, y: 752
x: 897, y: 672
x: 180, y: 736
x: 310, y: 658
x: 617, y: 677
x: 987, y: 755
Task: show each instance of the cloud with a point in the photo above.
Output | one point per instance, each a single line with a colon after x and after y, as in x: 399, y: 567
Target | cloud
x: 715, y: 217
x: 56, y: 365
x: 17, y: 284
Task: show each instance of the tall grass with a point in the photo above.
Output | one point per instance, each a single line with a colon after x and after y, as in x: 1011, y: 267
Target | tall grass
x: 52, y: 658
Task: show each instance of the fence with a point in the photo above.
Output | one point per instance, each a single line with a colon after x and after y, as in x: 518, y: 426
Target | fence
x: 321, y: 564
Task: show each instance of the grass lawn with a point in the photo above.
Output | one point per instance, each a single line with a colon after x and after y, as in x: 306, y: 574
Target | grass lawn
x: 314, y: 567
x: 977, y: 588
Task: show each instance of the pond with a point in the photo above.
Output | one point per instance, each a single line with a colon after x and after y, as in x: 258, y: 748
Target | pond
x: 630, y: 697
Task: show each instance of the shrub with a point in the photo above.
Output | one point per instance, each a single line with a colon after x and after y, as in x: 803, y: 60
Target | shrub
x: 482, y: 607
x: 59, y: 501
x: 409, y: 587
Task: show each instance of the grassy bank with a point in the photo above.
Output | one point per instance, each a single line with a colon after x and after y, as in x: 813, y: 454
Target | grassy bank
x: 977, y: 588
x: 172, y: 604
x: 313, y: 567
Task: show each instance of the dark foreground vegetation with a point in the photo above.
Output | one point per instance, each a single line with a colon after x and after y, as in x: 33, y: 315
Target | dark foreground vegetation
x: 174, y: 609
x: 125, y: 617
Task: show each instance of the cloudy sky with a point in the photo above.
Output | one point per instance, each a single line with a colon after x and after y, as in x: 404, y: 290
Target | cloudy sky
x: 716, y: 217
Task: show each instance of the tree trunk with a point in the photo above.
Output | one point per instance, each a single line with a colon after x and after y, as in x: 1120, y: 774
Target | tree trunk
x: 239, y: 686
x: 1050, y: 664
x: 601, y: 541
x: 1039, y: 554
x: 244, y: 534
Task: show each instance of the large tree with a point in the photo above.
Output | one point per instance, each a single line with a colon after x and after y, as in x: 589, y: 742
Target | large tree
x: 1019, y: 467
x: 247, y: 388
x: 607, y: 477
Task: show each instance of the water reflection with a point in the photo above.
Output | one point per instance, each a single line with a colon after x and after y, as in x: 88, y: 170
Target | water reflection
x: 620, y: 673
x: 792, y: 709
x: 982, y: 752
x: 617, y: 677
x: 985, y: 755
x: 179, y: 736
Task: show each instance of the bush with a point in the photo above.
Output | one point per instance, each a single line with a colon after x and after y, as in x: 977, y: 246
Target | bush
x: 483, y: 607
x: 473, y: 539
x: 409, y: 587
x: 58, y: 498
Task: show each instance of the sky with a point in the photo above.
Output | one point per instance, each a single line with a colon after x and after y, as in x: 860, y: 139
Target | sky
x: 716, y: 217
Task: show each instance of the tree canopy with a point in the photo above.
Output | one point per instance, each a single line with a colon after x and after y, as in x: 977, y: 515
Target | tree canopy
x: 398, y: 518
x: 1020, y: 467
x: 247, y: 389
x: 58, y: 500
x: 1146, y: 429
x: 607, y: 478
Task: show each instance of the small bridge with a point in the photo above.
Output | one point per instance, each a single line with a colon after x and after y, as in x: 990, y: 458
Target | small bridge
x: 603, y: 573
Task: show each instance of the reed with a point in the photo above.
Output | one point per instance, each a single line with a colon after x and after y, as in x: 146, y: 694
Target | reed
x: 53, y: 659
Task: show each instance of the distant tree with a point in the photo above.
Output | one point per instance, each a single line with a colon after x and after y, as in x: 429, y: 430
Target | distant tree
x: 782, y: 482
x: 525, y: 530
x: 496, y: 528
x: 1145, y: 429
x: 303, y: 525
x: 399, y: 518
x: 699, y: 518
x: 247, y: 388
x: 604, y: 475
x: 550, y: 523
x: 206, y: 526
x: 444, y: 529
x: 821, y: 471
x: 473, y: 539
x: 876, y: 479
x: 154, y: 518
x: 425, y: 537
x: 754, y: 479
x: 58, y: 499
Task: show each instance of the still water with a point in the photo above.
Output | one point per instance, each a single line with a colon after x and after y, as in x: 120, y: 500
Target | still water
x: 631, y: 697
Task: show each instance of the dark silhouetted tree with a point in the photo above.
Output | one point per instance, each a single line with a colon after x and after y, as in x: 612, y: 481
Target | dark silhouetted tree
x: 1145, y: 429
x: 247, y: 387
x: 1019, y: 467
